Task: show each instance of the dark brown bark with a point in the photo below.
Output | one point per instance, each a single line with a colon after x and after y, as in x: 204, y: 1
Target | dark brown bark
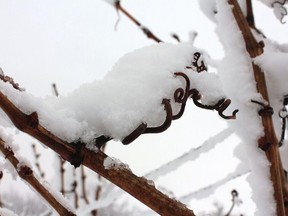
x: 268, y: 142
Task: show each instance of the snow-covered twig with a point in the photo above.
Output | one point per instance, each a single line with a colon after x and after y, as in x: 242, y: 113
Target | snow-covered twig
x: 268, y: 142
x: 193, y: 154
x: 206, y: 191
x: 10, y: 80
x: 26, y: 173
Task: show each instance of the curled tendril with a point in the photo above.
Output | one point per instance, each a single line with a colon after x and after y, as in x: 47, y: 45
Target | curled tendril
x: 143, y: 129
x: 220, y: 106
x: 280, y: 4
x: 135, y: 134
x: 199, y: 66
x: 167, y: 122
x: 181, y: 96
x: 266, y: 108
x: 235, y: 201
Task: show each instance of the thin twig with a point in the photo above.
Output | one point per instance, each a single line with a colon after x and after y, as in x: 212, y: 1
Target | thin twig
x: 62, y: 175
x: 83, y: 184
x: 74, y: 190
x: 55, y: 90
x: 98, y: 188
x: 145, y: 30
x: 61, y: 161
x: 37, y: 155
x: 176, y: 37
x: 97, y: 194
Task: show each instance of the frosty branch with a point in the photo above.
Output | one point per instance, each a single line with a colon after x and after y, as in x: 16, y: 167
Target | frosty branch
x: 269, y: 141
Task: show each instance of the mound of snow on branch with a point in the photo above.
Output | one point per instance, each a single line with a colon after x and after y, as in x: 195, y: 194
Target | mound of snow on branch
x: 130, y: 94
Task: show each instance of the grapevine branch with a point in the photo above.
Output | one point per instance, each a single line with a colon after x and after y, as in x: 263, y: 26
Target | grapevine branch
x: 136, y: 186
x: 269, y: 139
x: 27, y: 175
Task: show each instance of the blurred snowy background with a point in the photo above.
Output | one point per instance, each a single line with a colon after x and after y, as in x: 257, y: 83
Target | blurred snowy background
x: 73, y: 42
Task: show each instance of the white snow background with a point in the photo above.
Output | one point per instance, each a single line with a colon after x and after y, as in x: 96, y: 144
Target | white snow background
x: 71, y: 43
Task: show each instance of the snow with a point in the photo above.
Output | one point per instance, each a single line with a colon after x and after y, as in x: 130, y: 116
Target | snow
x: 274, y: 62
x: 8, y: 142
x: 114, y: 163
x: 112, y: 2
x: 6, y: 212
x: 209, y: 8
x: 129, y: 95
x: 57, y: 195
x: 279, y: 8
x: 279, y: 11
x: 237, y: 76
